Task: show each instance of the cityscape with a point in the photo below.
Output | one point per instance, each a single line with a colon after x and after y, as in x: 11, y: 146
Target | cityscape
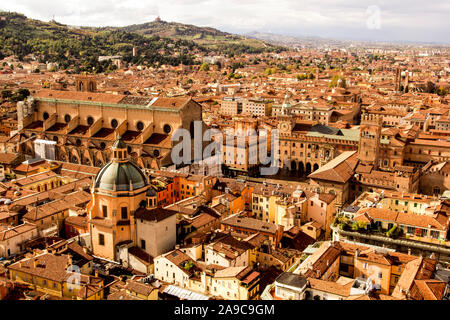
x: 145, y: 159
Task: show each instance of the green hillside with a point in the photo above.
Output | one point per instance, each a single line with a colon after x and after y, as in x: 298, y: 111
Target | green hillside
x: 78, y: 48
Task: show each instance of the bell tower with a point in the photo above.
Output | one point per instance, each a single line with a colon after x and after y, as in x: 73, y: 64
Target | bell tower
x: 85, y: 83
x: 369, y: 139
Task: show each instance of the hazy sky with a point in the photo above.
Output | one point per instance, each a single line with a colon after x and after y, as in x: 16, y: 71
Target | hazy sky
x: 410, y: 20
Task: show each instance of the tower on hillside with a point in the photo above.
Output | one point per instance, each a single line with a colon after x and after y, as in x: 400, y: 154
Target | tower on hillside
x: 369, y: 139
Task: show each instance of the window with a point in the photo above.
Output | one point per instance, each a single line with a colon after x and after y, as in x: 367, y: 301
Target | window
x: 124, y: 213
x: 105, y: 211
x: 101, y: 239
x: 143, y: 244
x: 434, y: 234
x: 167, y: 128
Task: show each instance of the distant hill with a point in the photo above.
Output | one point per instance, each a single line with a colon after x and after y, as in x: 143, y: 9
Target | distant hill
x: 293, y: 41
x: 207, y: 37
x: 80, y: 47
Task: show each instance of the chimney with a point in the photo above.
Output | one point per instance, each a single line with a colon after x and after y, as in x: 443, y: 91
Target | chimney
x: 85, y: 250
x: 35, y: 263
x: 409, y: 251
x: 356, y: 253
x: 96, y: 273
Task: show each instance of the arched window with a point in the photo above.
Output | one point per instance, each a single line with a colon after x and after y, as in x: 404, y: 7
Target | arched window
x: 90, y: 120
x: 67, y: 118
x: 45, y: 115
x: 140, y: 126
x: 114, y: 123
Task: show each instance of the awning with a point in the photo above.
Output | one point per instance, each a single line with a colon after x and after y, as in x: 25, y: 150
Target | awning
x: 184, y: 293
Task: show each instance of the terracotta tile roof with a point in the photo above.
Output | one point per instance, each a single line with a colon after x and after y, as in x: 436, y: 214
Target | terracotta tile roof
x: 8, y: 158
x: 437, y: 221
x: 170, y: 102
x: 8, y: 233
x: 330, y: 287
x: 79, y: 221
x: 230, y: 246
x: 230, y: 272
x: 202, y: 220
x: 35, y: 178
x: 139, y: 287
x: 417, y: 269
x: 75, y: 199
x: 323, y: 262
x: 340, y: 169
x: 179, y: 258
x: 327, y: 197
x: 429, y: 289
x: 156, y: 214
x: 80, y: 96
x: 250, y: 223
x: 79, y: 168
x: 141, y: 254
x: 49, y: 266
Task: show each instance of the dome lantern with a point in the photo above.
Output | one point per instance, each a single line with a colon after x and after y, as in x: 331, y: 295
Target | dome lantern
x: 119, y: 149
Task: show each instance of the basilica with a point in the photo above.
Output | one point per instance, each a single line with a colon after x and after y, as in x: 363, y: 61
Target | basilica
x: 125, y: 224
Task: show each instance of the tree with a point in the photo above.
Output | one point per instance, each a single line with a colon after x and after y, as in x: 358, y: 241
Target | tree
x: 20, y: 95
x: 6, y: 94
x: 189, y: 265
x: 335, y: 80
x: 204, y: 66
x: 269, y: 71
x: 442, y: 91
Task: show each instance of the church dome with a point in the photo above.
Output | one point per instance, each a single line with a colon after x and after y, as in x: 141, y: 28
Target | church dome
x: 120, y: 176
